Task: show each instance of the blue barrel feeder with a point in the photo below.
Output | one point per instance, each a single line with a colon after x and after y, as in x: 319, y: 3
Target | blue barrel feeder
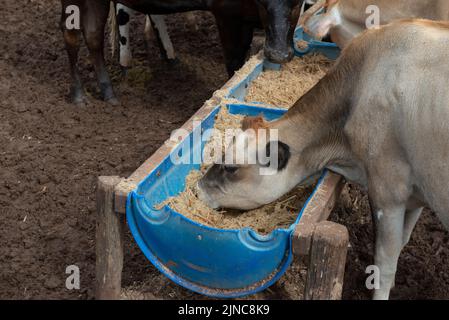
x: 213, y: 262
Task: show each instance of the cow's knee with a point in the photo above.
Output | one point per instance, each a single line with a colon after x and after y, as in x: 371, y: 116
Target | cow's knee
x: 94, y: 40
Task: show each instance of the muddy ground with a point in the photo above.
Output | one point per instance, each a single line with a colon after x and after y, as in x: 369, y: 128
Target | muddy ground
x: 52, y: 152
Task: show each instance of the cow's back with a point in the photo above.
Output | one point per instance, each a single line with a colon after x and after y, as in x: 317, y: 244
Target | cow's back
x: 390, y: 10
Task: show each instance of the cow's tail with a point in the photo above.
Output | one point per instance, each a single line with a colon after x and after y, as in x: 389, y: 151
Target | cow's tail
x: 113, y: 35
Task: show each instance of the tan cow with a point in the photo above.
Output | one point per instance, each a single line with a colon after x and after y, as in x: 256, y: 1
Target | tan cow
x: 380, y: 118
x: 344, y: 19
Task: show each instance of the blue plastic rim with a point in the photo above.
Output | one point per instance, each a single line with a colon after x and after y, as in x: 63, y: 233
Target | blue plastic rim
x: 214, y: 262
x: 328, y: 49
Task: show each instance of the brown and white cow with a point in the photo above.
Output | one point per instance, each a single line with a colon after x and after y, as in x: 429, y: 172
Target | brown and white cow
x: 380, y: 118
x: 345, y: 19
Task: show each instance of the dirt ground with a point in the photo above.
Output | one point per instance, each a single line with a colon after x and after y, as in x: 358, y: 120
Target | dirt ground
x: 52, y: 152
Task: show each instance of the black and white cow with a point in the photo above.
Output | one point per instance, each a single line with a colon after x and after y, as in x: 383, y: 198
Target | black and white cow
x: 124, y: 15
x: 155, y: 27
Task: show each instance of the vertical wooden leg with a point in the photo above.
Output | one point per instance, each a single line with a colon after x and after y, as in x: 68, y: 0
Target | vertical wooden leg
x: 109, y: 241
x: 327, y: 261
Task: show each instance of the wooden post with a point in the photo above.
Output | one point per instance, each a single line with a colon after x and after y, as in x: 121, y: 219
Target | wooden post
x: 318, y: 209
x: 109, y: 241
x: 327, y: 261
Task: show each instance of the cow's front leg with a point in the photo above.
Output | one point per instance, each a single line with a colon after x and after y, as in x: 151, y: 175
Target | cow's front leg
x: 94, y: 22
x: 236, y: 37
x: 124, y: 15
x: 389, y: 224
x: 72, y: 43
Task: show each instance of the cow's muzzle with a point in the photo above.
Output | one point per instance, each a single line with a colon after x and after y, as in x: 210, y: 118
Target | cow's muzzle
x: 279, y: 56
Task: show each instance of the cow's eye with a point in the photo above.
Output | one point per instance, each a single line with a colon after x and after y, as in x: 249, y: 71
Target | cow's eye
x: 230, y: 169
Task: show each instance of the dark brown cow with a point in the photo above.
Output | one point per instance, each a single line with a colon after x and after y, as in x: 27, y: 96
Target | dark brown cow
x: 236, y: 20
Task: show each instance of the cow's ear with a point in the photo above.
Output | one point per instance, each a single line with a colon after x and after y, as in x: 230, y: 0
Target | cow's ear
x: 254, y: 123
x: 283, y: 154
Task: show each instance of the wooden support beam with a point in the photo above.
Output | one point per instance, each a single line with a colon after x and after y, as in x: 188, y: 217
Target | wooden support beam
x: 318, y: 209
x: 109, y: 241
x: 327, y: 262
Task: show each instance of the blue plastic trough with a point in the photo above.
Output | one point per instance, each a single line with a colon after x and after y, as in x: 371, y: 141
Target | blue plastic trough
x: 214, y: 262
x: 328, y: 49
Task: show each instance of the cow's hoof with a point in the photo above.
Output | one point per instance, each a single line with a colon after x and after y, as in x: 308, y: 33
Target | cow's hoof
x: 81, y: 104
x: 80, y: 100
x: 172, y: 62
x: 108, y: 94
x: 77, y: 96
x: 113, y: 101
x: 124, y: 72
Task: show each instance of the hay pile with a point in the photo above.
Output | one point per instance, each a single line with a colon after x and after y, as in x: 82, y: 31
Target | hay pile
x: 302, y: 44
x: 280, y: 214
x: 283, y: 89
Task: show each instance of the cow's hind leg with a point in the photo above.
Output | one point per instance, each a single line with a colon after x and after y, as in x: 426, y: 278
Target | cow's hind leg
x: 72, y: 43
x: 158, y: 24
x: 124, y: 15
x: 94, y: 22
x: 72, y: 40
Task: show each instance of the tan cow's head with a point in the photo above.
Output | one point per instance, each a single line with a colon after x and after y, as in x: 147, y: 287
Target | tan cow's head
x: 270, y: 170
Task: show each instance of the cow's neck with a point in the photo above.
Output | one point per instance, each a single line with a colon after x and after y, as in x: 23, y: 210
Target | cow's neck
x: 314, y: 126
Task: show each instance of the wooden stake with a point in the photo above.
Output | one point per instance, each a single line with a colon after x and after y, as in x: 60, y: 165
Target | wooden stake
x: 327, y: 261
x: 318, y: 209
x: 109, y: 242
